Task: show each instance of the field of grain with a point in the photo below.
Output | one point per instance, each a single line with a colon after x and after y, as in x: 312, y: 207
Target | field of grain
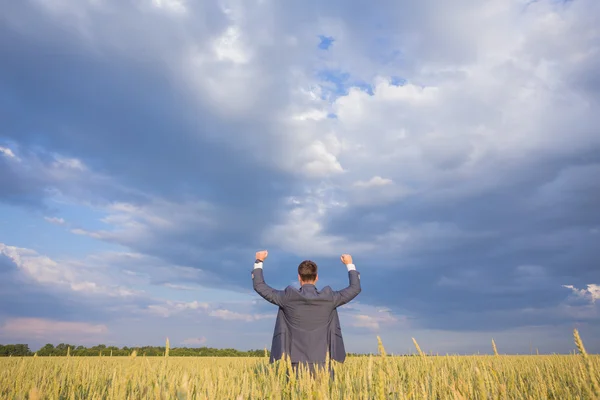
x: 375, y: 377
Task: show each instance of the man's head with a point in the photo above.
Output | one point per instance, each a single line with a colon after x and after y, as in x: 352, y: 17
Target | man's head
x: 307, y: 272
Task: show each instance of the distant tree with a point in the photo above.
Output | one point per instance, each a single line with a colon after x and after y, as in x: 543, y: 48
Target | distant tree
x: 47, y: 350
x: 15, y: 350
x: 62, y: 349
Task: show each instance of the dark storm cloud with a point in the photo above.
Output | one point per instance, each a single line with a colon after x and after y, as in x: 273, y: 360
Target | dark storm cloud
x: 123, y: 117
x: 474, y: 282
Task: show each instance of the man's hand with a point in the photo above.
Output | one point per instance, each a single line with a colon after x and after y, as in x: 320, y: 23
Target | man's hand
x: 261, y: 255
x: 346, y: 259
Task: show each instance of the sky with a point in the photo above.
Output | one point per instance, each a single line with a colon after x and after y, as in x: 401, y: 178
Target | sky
x: 148, y: 149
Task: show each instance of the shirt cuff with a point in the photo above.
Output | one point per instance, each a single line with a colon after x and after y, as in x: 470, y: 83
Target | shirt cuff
x: 258, y: 265
x: 351, y: 267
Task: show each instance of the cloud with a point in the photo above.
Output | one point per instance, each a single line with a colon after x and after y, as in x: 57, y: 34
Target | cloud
x: 194, y: 341
x: 374, y: 182
x: 232, y: 315
x: 172, y: 6
x: 170, y: 308
x: 45, y: 271
x: 592, y: 293
x: 458, y: 168
x: 41, y: 289
x: 55, y: 220
x: 7, y: 152
x: 372, y: 318
x: 179, y: 287
x: 38, y: 328
x: 303, y: 227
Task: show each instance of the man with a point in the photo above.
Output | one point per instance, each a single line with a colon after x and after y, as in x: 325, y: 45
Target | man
x: 307, y: 325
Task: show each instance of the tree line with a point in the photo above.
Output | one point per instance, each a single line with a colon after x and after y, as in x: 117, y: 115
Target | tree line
x: 64, y: 349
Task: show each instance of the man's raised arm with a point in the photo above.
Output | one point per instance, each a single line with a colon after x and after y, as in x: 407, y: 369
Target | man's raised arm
x: 265, y: 291
x: 343, y: 296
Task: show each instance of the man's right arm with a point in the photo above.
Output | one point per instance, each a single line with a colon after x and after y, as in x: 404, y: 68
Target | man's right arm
x: 265, y: 291
x: 345, y: 295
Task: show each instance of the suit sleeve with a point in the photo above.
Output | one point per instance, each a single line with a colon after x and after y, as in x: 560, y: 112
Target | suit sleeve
x: 341, y: 297
x: 265, y: 291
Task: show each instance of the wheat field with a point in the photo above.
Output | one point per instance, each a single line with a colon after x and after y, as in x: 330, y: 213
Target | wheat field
x: 373, y: 377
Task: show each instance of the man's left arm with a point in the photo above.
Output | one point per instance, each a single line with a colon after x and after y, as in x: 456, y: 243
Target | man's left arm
x: 265, y: 291
x: 345, y: 295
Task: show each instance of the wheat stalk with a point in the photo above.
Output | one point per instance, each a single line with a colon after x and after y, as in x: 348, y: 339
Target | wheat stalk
x: 588, y: 363
x: 380, y: 348
x: 418, y: 348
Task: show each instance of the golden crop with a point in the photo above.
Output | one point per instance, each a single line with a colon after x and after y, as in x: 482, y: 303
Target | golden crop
x: 375, y: 377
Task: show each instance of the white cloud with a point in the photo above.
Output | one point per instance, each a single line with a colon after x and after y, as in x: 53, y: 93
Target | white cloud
x: 7, y: 152
x: 69, y: 163
x: 302, y: 230
x: 173, y: 6
x: 43, y: 270
x: 132, y: 224
x: 159, y: 310
x: 317, y: 161
x: 311, y: 114
x: 365, y: 321
x: 170, y: 308
x: 46, y: 175
x: 55, y: 220
x: 376, y: 191
x: 179, y: 287
x: 446, y: 138
x: 375, y: 181
x: 373, y: 318
x: 236, y: 316
x: 83, y: 232
x: 194, y: 305
x: 46, y: 329
x: 591, y: 293
x: 230, y: 47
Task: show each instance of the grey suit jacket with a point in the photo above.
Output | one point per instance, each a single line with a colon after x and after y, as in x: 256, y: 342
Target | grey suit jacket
x: 307, y: 324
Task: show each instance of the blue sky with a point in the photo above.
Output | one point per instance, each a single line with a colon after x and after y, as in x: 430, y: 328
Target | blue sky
x: 149, y: 148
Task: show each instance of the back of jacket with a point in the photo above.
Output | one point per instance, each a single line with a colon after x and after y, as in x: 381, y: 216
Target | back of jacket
x: 307, y: 324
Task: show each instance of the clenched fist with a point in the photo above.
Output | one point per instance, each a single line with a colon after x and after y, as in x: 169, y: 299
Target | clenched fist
x: 346, y: 259
x: 261, y: 255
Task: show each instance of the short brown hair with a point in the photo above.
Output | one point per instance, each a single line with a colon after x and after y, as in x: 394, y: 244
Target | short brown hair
x: 307, y: 271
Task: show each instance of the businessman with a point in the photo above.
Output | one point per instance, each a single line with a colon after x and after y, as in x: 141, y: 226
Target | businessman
x: 307, y: 325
